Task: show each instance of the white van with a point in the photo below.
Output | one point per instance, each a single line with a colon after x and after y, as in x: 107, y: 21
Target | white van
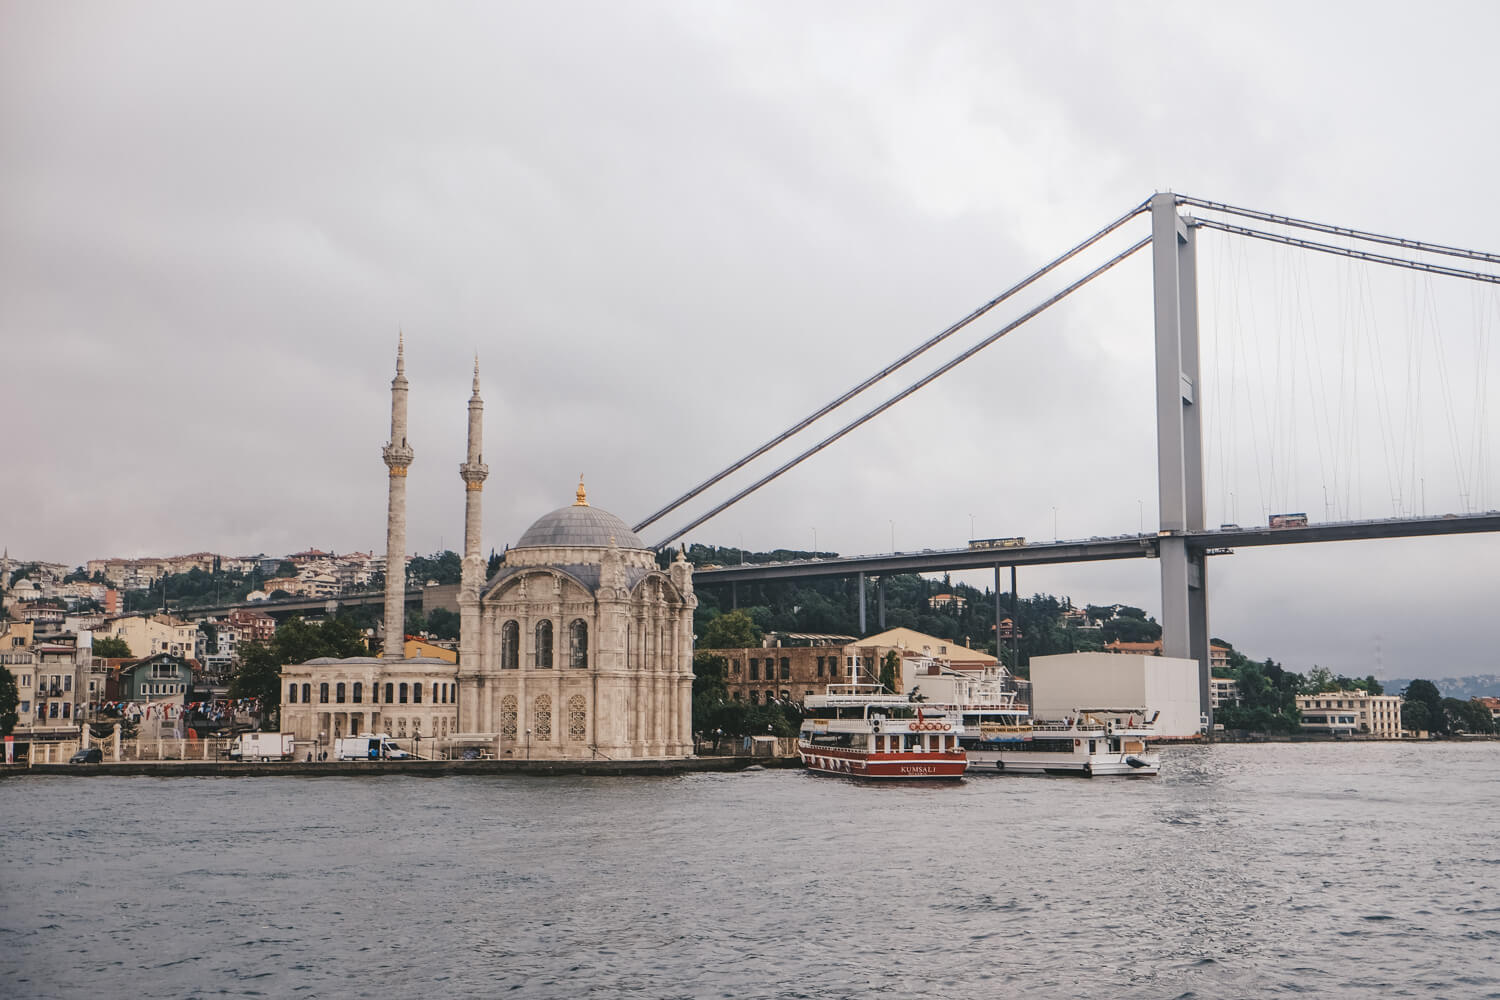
x: 368, y: 747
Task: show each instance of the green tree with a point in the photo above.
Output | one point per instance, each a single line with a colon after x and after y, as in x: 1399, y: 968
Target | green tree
x: 10, y: 697
x: 735, y: 630
x: 257, y: 674
x: 1426, y: 694
x: 112, y: 647
x: 442, y: 623
x: 889, y: 668
x: 444, y: 567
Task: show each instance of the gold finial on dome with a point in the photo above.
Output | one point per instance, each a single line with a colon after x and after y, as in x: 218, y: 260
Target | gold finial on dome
x: 583, y: 497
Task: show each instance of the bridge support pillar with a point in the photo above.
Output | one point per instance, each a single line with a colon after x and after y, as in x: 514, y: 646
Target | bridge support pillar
x: 862, y: 628
x: 880, y: 603
x: 1179, y: 440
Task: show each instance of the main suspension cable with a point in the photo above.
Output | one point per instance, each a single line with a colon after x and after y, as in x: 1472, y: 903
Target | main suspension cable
x: 1415, y: 265
x: 1331, y: 230
x: 966, y: 355
x: 895, y: 365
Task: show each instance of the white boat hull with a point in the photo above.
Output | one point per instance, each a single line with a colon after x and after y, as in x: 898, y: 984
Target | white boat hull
x: 1096, y: 765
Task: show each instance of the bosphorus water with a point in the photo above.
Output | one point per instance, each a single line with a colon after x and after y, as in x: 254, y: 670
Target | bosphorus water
x: 1243, y: 871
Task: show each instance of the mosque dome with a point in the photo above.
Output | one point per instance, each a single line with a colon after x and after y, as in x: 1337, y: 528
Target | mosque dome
x: 579, y: 525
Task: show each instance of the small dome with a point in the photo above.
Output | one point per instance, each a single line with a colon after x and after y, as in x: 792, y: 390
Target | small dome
x: 579, y: 525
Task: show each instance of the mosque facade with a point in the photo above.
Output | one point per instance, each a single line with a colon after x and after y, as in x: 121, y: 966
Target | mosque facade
x: 579, y: 646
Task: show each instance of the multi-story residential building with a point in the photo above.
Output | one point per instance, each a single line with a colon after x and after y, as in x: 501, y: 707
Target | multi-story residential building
x: 1351, y: 712
x: 791, y: 666
x: 146, y: 635
x: 1218, y: 656
x: 1492, y: 705
x: 1223, y: 691
x: 938, y: 602
x: 252, y: 624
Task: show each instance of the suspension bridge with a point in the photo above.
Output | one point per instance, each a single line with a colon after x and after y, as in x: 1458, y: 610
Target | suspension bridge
x: 1183, y: 541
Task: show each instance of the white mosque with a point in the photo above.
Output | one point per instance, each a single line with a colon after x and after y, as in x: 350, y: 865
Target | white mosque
x: 579, y: 646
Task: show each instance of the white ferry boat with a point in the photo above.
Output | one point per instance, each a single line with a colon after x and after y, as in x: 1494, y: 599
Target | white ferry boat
x: 864, y: 731
x: 1001, y: 738
x: 1092, y: 742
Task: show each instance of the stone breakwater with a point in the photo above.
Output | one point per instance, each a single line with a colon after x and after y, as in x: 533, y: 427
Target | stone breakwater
x: 419, y: 768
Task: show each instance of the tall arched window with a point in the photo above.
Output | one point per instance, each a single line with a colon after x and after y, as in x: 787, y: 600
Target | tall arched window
x: 306, y: 693
x: 578, y: 644
x: 390, y: 693
x: 359, y: 692
x: 401, y: 693
x: 416, y: 693
x: 508, y: 717
x: 339, y: 690
x: 510, y: 646
x: 542, y: 729
x: 544, y: 644
x: 578, y: 719
x: 323, y: 693
x: 291, y: 693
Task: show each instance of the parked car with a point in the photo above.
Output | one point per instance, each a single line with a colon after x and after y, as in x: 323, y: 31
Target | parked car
x: 91, y: 755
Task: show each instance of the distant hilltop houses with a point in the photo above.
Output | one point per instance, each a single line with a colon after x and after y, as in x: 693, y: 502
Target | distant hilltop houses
x: 49, y: 593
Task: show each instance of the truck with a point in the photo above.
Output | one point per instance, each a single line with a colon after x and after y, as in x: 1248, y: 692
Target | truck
x: 1288, y: 520
x: 261, y: 746
x: 368, y: 747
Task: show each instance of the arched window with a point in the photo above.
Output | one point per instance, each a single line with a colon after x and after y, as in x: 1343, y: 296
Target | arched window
x: 291, y: 693
x: 755, y: 697
x: 416, y: 693
x: 401, y: 693
x: 508, y: 717
x: 544, y: 644
x: 578, y: 719
x: 323, y: 693
x: 786, y: 668
x: 359, y: 692
x: 578, y: 644
x: 543, y: 727
x: 510, y: 646
x: 338, y: 692
x: 306, y: 693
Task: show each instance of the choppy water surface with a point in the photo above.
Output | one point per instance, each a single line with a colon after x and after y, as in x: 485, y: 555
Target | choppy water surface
x: 1242, y: 872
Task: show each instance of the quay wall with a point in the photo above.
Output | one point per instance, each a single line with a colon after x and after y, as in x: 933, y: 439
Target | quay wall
x: 421, y: 768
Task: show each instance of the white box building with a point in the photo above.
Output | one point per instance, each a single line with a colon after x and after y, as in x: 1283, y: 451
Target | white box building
x: 1062, y: 684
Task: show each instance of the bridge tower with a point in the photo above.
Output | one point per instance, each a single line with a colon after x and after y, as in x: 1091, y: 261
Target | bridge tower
x: 1179, y: 439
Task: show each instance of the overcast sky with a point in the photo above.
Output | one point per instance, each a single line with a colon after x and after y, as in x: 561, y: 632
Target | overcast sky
x: 671, y: 229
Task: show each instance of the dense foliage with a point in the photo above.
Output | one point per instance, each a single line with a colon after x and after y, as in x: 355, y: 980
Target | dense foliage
x: 257, y: 672
x: 111, y: 647
x: 10, y: 697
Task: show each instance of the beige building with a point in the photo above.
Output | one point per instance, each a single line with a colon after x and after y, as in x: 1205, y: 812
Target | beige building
x: 1352, y: 712
x: 147, y: 636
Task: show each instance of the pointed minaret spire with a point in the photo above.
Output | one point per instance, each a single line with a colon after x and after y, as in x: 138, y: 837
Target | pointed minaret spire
x: 398, y: 458
x: 473, y: 472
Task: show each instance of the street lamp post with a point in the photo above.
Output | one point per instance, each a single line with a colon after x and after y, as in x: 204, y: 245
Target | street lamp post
x: 971, y: 526
x: 893, y: 536
x: 1054, y: 524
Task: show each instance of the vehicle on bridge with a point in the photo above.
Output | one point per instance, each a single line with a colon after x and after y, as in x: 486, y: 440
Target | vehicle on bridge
x: 1288, y: 520
x: 980, y: 544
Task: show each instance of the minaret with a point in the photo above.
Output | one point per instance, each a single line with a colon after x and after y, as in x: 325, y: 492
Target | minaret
x: 398, y: 456
x: 473, y: 472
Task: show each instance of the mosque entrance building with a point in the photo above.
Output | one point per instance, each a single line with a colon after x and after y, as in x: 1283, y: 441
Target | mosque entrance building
x: 580, y: 646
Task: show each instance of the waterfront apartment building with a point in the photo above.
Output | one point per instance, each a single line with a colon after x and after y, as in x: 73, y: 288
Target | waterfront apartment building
x: 1351, y: 713
x: 1223, y: 691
